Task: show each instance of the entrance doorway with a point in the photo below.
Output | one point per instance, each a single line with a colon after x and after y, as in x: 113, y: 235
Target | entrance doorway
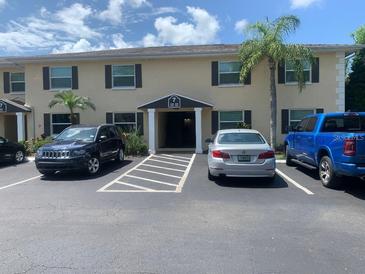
x: 176, y: 129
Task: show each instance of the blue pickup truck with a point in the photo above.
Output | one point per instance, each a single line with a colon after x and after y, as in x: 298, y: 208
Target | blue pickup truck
x: 332, y: 143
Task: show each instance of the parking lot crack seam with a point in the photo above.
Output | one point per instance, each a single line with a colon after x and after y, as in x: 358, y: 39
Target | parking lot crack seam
x: 185, y: 176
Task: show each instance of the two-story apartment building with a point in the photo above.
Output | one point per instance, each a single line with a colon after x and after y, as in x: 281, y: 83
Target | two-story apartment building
x: 175, y: 96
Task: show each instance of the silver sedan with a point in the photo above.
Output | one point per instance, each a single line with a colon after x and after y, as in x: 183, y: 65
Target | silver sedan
x: 240, y: 153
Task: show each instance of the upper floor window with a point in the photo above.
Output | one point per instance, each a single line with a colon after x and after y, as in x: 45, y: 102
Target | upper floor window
x: 123, y: 76
x: 229, y: 73
x: 61, y: 77
x: 290, y: 75
x: 17, y: 82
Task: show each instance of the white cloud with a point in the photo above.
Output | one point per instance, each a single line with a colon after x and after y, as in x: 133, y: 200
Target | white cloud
x: 241, y: 26
x: 118, y: 41
x: 138, y: 3
x: 297, y: 4
x: 80, y: 46
x: 202, y: 30
x: 2, y: 3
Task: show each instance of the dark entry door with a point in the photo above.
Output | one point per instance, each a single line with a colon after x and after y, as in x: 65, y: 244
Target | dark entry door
x: 180, y: 130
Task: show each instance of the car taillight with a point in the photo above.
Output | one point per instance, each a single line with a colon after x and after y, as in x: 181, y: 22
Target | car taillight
x: 267, y: 155
x: 220, y: 154
x: 349, y: 147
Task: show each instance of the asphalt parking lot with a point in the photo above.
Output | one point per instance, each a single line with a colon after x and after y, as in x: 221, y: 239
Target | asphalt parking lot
x: 162, y: 215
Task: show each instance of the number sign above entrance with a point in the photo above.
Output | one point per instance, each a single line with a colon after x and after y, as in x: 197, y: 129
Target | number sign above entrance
x: 175, y: 101
x: 3, y: 107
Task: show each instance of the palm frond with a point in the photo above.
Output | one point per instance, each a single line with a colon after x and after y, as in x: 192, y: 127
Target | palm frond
x: 285, y: 25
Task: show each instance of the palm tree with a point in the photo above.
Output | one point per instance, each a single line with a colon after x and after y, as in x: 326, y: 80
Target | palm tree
x: 267, y: 42
x: 71, y: 101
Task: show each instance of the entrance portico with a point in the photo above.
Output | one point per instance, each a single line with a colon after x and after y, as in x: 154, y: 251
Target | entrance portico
x: 167, y: 130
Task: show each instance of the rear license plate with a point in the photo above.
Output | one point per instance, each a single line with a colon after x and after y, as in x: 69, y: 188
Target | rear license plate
x: 243, y: 158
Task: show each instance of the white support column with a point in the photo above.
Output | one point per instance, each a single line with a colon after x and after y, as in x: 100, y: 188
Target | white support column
x: 20, y: 119
x: 151, y: 131
x: 198, y: 130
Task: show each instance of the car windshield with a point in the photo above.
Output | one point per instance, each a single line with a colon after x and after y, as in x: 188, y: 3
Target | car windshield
x: 240, y: 138
x: 77, y: 134
x: 344, y: 124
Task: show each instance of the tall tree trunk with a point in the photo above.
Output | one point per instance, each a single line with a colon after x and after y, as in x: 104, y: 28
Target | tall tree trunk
x: 72, y: 116
x: 273, y: 103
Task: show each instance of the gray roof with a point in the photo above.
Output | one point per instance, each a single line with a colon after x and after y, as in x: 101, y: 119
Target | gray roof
x: 161, y: 52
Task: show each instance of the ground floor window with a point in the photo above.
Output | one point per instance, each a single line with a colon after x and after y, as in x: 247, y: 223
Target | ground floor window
x: 230, y: 119
x: 59, y: 122
x: 127, y: 122
x: 296, y: 115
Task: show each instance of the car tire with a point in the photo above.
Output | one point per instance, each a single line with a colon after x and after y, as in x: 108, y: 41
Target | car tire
x: 120, y: 156
x: 327, y: 174
x: 93, y: 166
x: 211, y: 177
x: 288, y: 158
x: 19, y: 157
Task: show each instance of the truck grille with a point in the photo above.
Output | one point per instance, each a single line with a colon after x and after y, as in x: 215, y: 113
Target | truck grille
x: 56, y: 154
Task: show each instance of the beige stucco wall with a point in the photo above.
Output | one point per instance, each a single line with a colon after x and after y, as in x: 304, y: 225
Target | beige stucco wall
x: 185, y: 76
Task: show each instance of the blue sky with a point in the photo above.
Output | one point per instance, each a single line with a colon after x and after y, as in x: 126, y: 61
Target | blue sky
x: 44, y: 26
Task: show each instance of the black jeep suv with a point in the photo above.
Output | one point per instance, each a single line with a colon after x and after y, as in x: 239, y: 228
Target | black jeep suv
x: 81, y: 147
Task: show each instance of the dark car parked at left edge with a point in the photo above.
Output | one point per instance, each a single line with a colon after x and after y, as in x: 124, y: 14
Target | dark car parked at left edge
x: 81, y: 148
x: 11, y: 151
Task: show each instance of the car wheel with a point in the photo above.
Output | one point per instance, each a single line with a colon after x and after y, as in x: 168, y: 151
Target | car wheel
x: 288, y: 158
x: 19, y: 157
x: 93, y: 166
x: 210, y: 176
x: 120, y: 156
x: 327, y: 174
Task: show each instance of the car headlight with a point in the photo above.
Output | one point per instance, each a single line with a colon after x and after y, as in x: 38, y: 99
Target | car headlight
x: 39, y: 153
x: 79, y: 152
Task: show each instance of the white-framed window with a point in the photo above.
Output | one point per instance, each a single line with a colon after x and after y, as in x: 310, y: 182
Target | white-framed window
x: 123, y: 76
x: 296, y: 115
x: 17, y: 82
x: 60, y: 77
x: 290, y: 76
x: 59, y: 122
x: 229, y: 73
x: 126, y: 121
x: 230, y: 119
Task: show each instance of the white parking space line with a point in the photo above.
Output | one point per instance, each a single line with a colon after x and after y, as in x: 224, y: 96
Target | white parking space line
x: 176, y: 156
x: 147, y: 183
x: 165, y: 162
x: 162, y: 167
x: 290, y: 180
x: 174, y: 159
x: 135, y: 186
x: 159, y: 173
x: 183, y: 179
x: 21, y: 182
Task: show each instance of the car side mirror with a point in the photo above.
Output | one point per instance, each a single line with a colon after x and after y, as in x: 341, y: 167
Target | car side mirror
x: 102, y: 138
x: 208, y: 140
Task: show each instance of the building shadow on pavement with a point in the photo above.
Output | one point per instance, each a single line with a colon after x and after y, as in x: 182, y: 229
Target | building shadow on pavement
x: 12, y: 164
x: 251, y: 182
x: 106, y: 169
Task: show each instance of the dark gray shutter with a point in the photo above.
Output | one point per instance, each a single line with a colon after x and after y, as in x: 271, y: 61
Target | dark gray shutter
x: 214, y: 122
x: 138, y: 68
x: 315, y: 70
x: 140, y: 122
x: 284, y: 120
x: 75, y: 78
x: 77, y: 118
x: 108, y: 76
x: 248, y: 118
x: 47, y: 124
x: 319, y: 110
x: 109, y: 118
x: 215, y: 73
x: 46, y: 78
x: 281, y: 72
x: 6, y: 82
x: 247, y: 80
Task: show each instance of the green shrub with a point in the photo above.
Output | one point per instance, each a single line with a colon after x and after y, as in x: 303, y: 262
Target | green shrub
x: 135, y: 145
x: 31, y: 146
